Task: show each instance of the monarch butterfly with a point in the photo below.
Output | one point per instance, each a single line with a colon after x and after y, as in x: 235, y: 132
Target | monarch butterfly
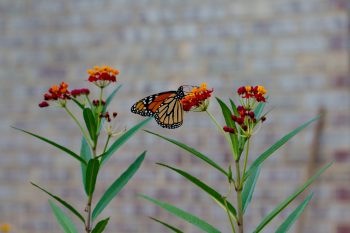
x: 165, y: 107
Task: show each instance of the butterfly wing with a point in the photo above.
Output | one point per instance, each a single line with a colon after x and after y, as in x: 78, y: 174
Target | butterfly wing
x: 170, y: 113
x: 150, y: 104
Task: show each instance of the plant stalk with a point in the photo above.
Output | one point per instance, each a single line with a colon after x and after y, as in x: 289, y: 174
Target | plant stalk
x: 240, y: 211
x: 227, y: 137
x: 239, y: 188
x: 80, y: 126
x: 88, y: 218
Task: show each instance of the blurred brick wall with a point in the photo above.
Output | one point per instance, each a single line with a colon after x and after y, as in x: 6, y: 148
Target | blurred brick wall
x: 298, y: 49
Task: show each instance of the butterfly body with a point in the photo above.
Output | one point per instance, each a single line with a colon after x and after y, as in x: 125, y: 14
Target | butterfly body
x: 165, y: 107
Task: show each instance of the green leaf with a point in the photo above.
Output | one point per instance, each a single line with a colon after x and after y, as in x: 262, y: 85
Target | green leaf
x: 276, y: 146
x: 74, y: 155
x: 108, y: 101
x: 90, y: 123
x: 217, y: 197
x: 110, y: 97
x: 226, y: 112
x: 91, y: 175
x: 172, y: 228
x: 78, y: 103
x: 115, y: 188
x: 286, y: 202
x: 201, y: 224
x: 259, y: 109
x: 122, y: 139
x: 100, y: 226
x: 85, y: 153
x: 63, y: 202
x: 249, y: 186
x: 192, y: 151
x: 65, y: 222
x: 284, y: 227
x: 234, y: 107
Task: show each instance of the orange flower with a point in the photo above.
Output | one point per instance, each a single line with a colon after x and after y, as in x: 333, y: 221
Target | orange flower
x: 102, y: 76
x: 56, y: 93
x: 198, y: 99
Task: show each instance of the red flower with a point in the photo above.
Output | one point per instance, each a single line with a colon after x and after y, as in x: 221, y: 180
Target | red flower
x: 102, y: 76
x: 43, y: 104
x: 228, y: 129
x: 97, y: 102
x: 78, y: 92
x: 57, y: 92
x: 256, y: 92
x: 197, y: 99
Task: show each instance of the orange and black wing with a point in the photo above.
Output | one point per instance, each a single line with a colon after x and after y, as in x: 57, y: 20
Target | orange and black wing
x: 170, y: 113
x: 150, y: 104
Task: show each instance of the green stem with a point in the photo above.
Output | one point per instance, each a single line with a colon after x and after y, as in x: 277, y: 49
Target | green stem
x: 88, y: 227
x: 101, y: 95
x: 80, y: 126
x: 99, y: 109
x: 246, y: 159
x: 240, y: 212
x: 107, y: 141
x: 89, y: 101
x: 220, y: 129
x: 239, y: 197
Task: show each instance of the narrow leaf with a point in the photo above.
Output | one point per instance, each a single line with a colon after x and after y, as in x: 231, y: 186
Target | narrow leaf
x: 234, y: 107
x: 65, y: 222
x: 115, y: 188
x: 201, y: 224
x: 259, y: 109
x: 110, y: 97
x: 249, y: 187
x: 172, y: 228
x: 91, y: 175
x: 192, y: 151
x: 286, y: 202
x: 212, y: 193
x: 100, y: 226
x: 78, y: 103
x: 108, y: 101
x: 90, y: 123
x: 276, y: 146
x: 122, y: 139
x: 226, y: 112
x: 85, y: 153
x: 284, y: 227
x: 74, y: 155
x: 63, y: 202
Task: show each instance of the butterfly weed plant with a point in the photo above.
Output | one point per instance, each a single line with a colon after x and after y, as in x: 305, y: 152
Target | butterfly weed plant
x: 95, y: 152
x: 242, y: 122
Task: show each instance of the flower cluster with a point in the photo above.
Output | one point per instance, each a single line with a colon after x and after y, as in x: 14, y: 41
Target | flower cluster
x: 102, y: 76
x: 77, y: 92
x: 198, y: 99
x: 245, y: 117
x: 107, y: 116
x: 57, y: 92
x: 248, y: 92
x: 60, y: 94
x: 98, y: 102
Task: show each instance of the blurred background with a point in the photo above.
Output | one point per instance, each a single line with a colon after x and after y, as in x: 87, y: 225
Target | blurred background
x: 297, y: 49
